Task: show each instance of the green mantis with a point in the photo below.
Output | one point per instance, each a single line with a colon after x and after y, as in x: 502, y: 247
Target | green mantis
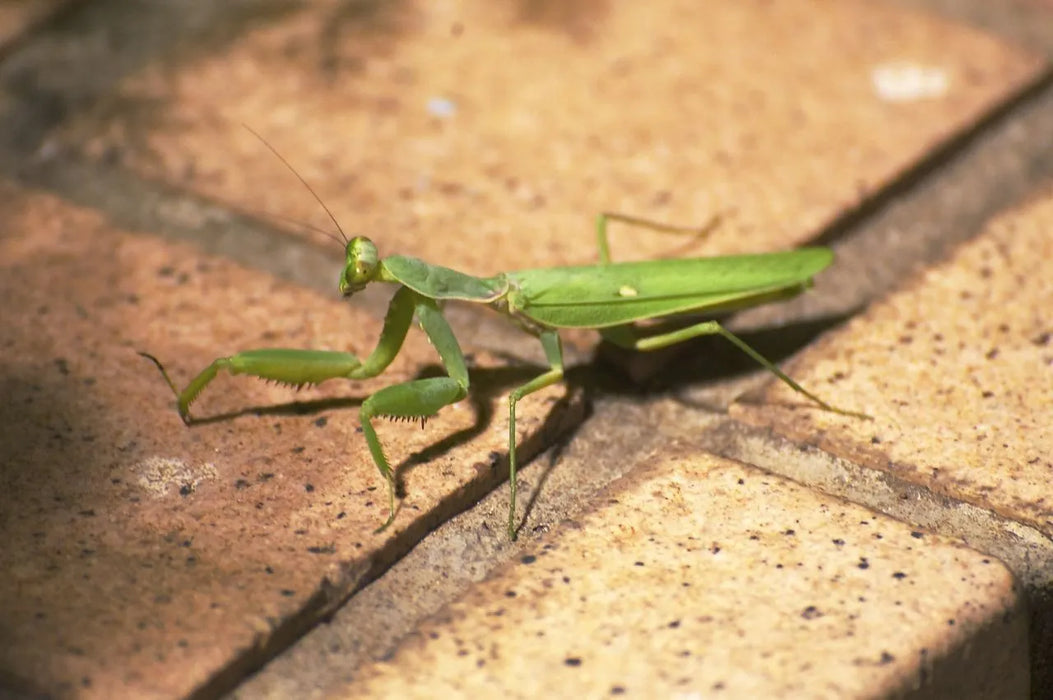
x: 608, y: 297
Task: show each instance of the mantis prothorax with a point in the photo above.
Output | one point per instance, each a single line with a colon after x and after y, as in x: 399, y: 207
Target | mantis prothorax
x: 608, y: 297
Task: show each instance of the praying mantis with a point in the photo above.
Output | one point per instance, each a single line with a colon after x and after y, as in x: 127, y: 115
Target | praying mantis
x: 608, y: 297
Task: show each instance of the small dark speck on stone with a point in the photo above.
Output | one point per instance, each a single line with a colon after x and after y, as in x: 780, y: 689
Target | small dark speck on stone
x: 572, y: 661
x: 241, y: 484
x: 617, y: 690
x: 288, y: 592
x: 887, y: 658
x: 298, y: 449
x: 309, y: 488
x: 863, y: 563
x: 638, y: 563
x: 899, y: 575
x: 674, y: 624
x: 875, y: 440
x: 528, y: 559
x: 790, y: 532
x: 811, y: 612
x: 321, y: 422
x: 951, y: 622
x: 186, y: 489
x: 510, y: 594
x: 916, y: 535
x: 839, y: 542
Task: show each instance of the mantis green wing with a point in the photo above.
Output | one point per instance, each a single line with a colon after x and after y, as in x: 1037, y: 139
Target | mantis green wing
x: 614, y: 294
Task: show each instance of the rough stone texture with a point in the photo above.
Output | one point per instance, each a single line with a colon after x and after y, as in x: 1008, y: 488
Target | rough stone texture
x: 957, y: 372
x: 700, y: 576
x: 480, y: 135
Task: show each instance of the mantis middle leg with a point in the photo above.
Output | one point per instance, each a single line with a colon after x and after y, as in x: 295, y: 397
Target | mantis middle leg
x: 554, y: 354
x: 603, y: 218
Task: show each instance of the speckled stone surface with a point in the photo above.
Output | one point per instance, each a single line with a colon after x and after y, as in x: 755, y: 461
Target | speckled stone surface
x: 701, y: 577
x: 957, y: 372
x: 441, y: 129
x: 143, y: 559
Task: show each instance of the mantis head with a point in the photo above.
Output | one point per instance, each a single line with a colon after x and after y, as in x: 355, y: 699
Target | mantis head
x: 361, y: 267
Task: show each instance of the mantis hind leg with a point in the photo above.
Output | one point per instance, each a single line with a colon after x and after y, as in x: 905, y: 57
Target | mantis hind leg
x: 554, y: 354
x: 603, y: 218
x: 626, y: 337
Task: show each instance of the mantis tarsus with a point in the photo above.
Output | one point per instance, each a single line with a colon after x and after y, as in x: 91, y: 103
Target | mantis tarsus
x: 608, y: 297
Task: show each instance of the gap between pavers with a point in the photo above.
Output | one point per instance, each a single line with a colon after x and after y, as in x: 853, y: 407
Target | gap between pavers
x: 957, y: 371
x: 145, y: 558
x: 699, y: 576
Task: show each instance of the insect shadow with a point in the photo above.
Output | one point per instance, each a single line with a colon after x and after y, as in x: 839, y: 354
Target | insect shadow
x: 487, y: 385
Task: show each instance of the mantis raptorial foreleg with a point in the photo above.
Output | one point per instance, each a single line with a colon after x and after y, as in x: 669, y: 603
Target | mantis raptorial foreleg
x: 298, y: 367
x: 420, y: 398
x: 554, y: 354
x: 603, y: 218
x: 415, y: 399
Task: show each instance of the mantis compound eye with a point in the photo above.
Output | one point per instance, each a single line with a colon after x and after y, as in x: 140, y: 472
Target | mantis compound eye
x: 361, y: 266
